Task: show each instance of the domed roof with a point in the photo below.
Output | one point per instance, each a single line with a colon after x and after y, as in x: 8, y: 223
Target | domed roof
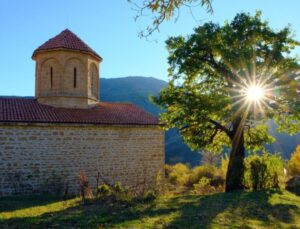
x: 66, y: 40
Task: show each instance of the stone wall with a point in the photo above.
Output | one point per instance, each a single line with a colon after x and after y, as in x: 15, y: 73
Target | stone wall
x: 35, y: 158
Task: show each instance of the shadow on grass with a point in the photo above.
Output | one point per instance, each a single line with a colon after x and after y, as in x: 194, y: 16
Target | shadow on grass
x: 187, y: 212
x: 14, y: 203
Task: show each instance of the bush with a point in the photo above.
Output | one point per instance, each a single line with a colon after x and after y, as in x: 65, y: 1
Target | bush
x: 118, y: 188
x: 178, y: 174
x: 149, y: 196
x: 262, y: 172
x: 103, y: 190
x: 258, y: 174
x: 204, y: 186
x: 294, y: 163
x: 202, y: 171
x: 115, y: 192
x: 182, y: 179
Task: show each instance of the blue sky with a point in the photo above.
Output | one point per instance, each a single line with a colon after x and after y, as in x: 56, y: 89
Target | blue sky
x: 109, y: 28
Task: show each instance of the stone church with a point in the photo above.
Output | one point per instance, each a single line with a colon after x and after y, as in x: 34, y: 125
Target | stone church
x: 46, y: 141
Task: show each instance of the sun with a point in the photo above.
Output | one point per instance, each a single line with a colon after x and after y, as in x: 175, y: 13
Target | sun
x: 254, y: 93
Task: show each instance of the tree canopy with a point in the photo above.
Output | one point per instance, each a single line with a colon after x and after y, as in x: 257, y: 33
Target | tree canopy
x: 211, y: 74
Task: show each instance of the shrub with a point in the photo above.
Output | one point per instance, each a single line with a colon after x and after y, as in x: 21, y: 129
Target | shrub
x: 149, y: 196
x: 202, y: 171
x: 115, y: 192
x: 262, y: 172
x: 204, y: 186
x: 178, y: 174
x: 258, y: 174
x: 103, y: 190
x: 118, y: 188
x: 294, y: 163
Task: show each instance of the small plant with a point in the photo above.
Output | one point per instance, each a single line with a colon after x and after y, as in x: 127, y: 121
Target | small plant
x: 115, y: 192
x: 149, y: 196
x: 202, y: 171
x: 103, y: 190
x: 263, y: 171
x: 258, y: 174
x: 118, y: 188
x: 204, y: 186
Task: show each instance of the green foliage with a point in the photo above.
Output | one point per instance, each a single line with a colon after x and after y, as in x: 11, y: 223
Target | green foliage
x: 103, y: 190
x: 149, y: 196
x: 258, y: 171
x: 199, y: 172
x: 193, y: 179
x: 178, y: 174
x: 118, y: 188
x: 210, y: 71
x: 294, y: 163
x: 113, y: 193
x: 263, y: 172
x: 204, y: 186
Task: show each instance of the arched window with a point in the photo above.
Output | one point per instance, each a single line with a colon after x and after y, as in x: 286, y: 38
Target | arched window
x: 75, y: 77
x: 51, y: 77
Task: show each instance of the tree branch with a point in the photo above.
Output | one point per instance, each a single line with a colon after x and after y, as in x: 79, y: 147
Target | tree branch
x: 221, y: 127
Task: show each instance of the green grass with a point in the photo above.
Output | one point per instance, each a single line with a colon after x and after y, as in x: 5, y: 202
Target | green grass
x: 260, y: 209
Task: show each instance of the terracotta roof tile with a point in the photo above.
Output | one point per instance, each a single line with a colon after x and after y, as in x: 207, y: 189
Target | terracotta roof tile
x: 66, y: 40
x: 21, y: 109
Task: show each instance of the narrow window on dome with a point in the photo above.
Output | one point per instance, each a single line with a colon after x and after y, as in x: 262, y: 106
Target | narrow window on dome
x: 75, y: 77
x: 51, y: 77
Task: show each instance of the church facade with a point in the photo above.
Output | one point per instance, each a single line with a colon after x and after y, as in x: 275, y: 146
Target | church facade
x: 65, y: 130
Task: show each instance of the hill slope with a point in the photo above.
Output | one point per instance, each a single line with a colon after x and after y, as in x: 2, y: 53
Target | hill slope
x: 138, y: 89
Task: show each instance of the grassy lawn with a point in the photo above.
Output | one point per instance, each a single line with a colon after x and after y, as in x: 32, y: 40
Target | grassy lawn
x: 260, y: 209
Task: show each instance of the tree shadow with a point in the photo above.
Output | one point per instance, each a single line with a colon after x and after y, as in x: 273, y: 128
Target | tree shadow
x: 236, y: 207
x: 191, y: 211
x: 295, y: 191
x: 14, y: 203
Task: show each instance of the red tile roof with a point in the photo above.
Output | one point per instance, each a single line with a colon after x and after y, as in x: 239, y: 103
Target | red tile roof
x: 66, y: 40
x: 21, y: 109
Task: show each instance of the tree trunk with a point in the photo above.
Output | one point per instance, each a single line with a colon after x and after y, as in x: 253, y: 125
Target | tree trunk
x: 235, y: 171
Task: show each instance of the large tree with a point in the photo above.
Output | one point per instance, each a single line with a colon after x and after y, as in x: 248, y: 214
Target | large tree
x: 226, y: 82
